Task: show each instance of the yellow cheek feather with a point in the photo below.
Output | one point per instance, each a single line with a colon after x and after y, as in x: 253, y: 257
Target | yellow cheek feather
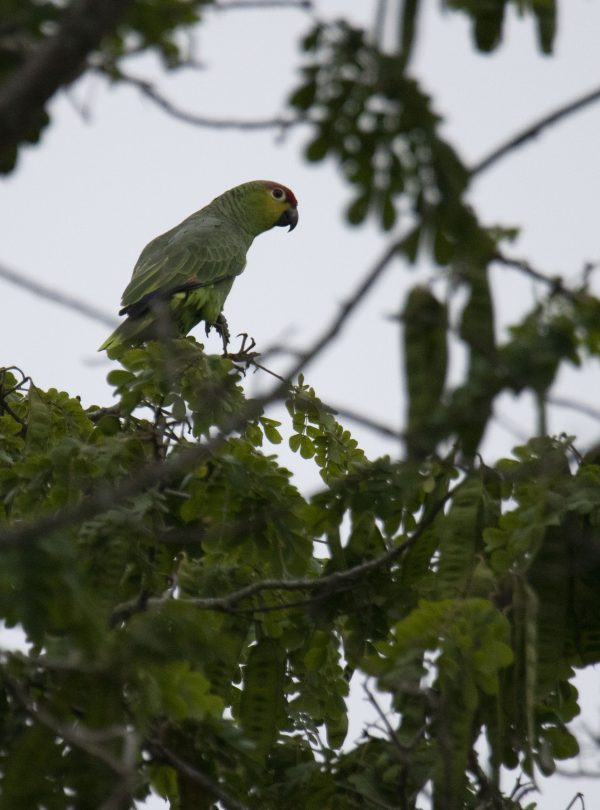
x: 275, y: 208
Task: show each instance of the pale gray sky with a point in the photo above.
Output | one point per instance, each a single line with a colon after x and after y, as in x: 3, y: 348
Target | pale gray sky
x: 82, y: 205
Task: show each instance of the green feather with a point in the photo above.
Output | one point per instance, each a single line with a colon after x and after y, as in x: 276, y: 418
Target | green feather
x: 183, y: 276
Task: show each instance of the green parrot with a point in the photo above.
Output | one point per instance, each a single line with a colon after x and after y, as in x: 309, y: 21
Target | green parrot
x: 184, y: 276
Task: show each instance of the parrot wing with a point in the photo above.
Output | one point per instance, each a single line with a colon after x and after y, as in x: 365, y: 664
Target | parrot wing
x: 200, y: 252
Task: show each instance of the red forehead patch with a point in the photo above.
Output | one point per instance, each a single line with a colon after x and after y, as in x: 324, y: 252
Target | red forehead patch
x: 289, y: 194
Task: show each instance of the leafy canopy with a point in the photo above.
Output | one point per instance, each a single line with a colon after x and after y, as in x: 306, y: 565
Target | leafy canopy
x: 194, y: 620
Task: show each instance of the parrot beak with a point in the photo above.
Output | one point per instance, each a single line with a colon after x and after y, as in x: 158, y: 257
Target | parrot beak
x: 289, y: 217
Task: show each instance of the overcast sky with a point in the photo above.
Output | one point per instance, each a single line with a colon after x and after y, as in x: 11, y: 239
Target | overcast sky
x: 82, y: 205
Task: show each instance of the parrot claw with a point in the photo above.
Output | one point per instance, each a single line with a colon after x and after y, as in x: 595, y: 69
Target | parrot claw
x: 243, y: 348
x: 245, y: 355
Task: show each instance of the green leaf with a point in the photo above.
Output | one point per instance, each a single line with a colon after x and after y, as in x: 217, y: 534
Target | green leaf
x: 357, y: 210
x: 307, y: 447
x: 295, y: 442
x: 119, y: 377
x: 317, y: 150
x: 270, y: 428
x: 254, y: 434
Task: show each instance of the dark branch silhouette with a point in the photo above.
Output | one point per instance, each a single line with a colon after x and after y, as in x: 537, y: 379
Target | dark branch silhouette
x: 56, y: 296
x: 160, y: 752
x: 230, y: 5
x: 366, y: 421
x: 573, y: 405
x: 346, y: 310
x: 147, y: 89
x: 54, y: 64
x: 86, y: 739
x: 533, y: 130
x: 328, y: 584
x: 555, y: 283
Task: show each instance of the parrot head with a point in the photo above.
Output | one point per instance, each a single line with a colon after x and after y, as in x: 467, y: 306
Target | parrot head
x: 282, y: 202
x: 260, y: 205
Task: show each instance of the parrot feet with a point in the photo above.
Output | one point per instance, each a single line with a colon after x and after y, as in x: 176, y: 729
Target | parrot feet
x: 247, y: 349
x: 245, y: 356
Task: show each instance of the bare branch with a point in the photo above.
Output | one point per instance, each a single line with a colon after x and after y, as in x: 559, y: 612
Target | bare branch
x: 55, y: 63
x: 149, y: 90
x: 346, y: 310
x: 60, y: 298
x: 533, y: 130
x: 577, y: 797
x: 162, y: 753
x: 380, y: 20
x: 574, y: 405
x: 78, y: 735
x: 360, y: 419
x: 555, y: 283
x: 402, y: 749
x: 302, y: 5
x: 580, y: 773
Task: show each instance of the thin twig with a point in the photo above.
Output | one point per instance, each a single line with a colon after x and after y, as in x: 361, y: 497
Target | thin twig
x: 403, y: 749
x: 149, y: 90
x: 85, y: 739
x: 379, y: 23
x: 346, y: 310
x: 302, y: 5
x: 407, y: 33
x: 159, y: 751
x: 533, y: 130
x: 580, y: 773
x: 582, y: 407
x: 60, y: 298
x: 555, y: 283
x: 576, y: 797
x: 366, y: 421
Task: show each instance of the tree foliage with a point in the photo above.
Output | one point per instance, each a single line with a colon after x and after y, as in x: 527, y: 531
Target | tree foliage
x: 195, y: 621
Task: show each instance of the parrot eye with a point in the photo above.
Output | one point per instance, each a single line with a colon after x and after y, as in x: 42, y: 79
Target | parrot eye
x: 278, y: 194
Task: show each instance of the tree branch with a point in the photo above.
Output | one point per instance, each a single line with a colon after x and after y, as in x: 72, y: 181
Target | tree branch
x: 302, y: 5
x: 55, y: 63
x: 148, y: 89
x: 332, y: 583
x: 574, y: 405
x: 86, y: 739
x: 346, y: 310
x: 158, y: 472
x: 402, y: 749
x: 555, y: 283
x: 372, y: 424
x: 160, y: 752
x: 89, y: 311
x: 60, y: 298
x: 533, y: 130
